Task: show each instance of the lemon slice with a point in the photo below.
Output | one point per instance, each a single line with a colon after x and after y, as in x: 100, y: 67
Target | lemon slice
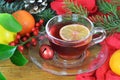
x: 74, y: 32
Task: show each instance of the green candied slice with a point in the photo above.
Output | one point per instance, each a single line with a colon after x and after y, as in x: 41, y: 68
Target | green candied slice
x: 2, y: 77
x: 9, y: 22
x: 18, y: 59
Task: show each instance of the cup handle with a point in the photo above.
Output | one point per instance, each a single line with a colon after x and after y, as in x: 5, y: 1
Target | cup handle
x: 100, y: 38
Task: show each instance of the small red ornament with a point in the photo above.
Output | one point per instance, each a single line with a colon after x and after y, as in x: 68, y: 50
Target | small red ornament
x: 46, y: 52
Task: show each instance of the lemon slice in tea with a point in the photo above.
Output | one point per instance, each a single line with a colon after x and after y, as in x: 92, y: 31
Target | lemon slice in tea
x: 74, y: 32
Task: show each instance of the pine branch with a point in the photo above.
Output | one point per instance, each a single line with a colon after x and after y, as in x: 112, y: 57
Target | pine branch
x: 69, y: 5
x: 2, y: 2
x: 109, y: 23
x: 115, y: 2
x: 106, y: 7
x: 11, y: 7
x: 119, y: 13
x: 46, y: 15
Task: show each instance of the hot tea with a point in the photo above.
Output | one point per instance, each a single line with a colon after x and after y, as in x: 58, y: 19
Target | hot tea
x: 75, y: 39
x: 68, y: 46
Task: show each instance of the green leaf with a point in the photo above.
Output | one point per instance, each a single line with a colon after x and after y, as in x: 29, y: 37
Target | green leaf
x: 6, y: 51
x: 2, y: 77
x: 9, y: 22
x: 18, y: 59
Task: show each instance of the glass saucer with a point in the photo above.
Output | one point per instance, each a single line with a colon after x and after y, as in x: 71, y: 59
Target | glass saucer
x: 96, y: 56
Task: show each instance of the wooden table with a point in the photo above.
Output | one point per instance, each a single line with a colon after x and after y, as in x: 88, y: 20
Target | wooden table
x: 28, y: 72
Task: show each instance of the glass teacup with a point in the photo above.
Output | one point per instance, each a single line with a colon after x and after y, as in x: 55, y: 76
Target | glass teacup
x: 73, y: 49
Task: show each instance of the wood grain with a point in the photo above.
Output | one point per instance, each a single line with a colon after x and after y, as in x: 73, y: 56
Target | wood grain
x: 28, y: 72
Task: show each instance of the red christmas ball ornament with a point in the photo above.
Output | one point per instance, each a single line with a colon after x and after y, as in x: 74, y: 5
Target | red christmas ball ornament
x: 46, y: 52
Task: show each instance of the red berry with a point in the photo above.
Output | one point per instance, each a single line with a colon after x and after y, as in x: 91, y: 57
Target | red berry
x: 18, y: 36
x: 37, y: 24
x: 46, y: 52
x: 35, y: 33
x: 20, y: 48
x: 27, y: 44
x: 34, y: 43
x: 24, y: 38
x: 16, y: 41
x: 12, y: 43
x: 33, y: 40
x: 36, y: 28
x: 28, y: 34
x: 33, y: 29
x: 41, y: 21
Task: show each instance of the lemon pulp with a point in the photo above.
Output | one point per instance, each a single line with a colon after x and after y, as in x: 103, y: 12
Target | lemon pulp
x: 74, y: 32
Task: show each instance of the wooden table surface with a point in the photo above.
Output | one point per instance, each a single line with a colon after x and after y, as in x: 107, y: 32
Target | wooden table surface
x: 28, y: 72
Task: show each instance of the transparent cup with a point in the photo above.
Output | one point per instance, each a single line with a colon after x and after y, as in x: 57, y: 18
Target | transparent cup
x: 72, y: 50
